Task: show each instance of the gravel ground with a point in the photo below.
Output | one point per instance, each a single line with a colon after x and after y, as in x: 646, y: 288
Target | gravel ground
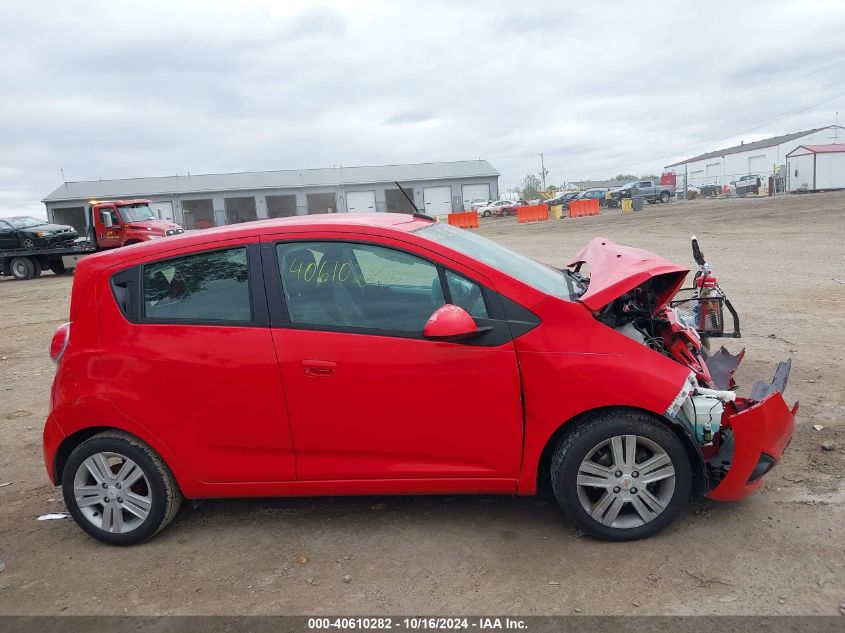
x: 782, y: 261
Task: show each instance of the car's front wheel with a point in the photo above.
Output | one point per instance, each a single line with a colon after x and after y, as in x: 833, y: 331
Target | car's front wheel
x: 118, y: 489
x: 621, y: 475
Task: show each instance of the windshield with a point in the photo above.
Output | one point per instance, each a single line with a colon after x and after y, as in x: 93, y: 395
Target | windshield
x: 24, y: 222
x: 529, y: 271
x: 136, y: 213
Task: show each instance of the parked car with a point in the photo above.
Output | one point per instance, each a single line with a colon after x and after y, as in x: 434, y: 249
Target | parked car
x: 499, y: 207
x: 305, y: 349
x: 562, y: 198
x: 477, y: 203
x: 26, y: 232
x: 647, y: 189
x: 692, y: 191
x: 593, y: 194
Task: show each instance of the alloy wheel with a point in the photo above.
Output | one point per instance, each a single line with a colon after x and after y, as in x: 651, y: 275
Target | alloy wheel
x: 112, y: 492
x: 626, y: 481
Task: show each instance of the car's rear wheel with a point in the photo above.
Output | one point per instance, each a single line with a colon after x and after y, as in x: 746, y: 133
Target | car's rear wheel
x: 664, y: 197
x: 118, y: 489
x: 621, y: 475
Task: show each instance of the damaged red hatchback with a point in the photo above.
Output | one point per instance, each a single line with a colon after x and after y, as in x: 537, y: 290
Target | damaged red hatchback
x: 387, y: 354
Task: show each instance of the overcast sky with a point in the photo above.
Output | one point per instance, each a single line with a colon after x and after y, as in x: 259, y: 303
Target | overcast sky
x: 120, y: 89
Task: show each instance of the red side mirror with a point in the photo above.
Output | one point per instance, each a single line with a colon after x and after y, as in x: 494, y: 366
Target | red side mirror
x: 450, y: 323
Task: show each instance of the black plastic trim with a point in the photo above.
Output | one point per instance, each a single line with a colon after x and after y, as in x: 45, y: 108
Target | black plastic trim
x: 764, y: 465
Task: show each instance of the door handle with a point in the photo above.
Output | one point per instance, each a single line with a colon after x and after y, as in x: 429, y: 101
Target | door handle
x: 319, y: 367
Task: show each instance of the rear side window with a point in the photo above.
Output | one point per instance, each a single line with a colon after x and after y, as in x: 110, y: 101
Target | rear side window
x: 210, y: 286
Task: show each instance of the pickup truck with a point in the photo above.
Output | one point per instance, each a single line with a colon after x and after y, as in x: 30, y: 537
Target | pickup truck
x: 111, y: 224
x: 745, y: 185
x: 648, y: 189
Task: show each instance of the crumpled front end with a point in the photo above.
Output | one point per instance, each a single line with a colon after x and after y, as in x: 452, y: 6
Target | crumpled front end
x: 740, y: 439
x: 755, y: 431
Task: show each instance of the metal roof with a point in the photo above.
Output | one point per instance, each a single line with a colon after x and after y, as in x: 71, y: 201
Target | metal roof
x: 820, y: 149
x: 289, y: 178
x: 597, y: 184
x: 769, y: 142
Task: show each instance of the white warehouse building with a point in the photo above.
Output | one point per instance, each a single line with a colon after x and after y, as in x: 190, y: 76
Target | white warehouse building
x: 760, y: 158
x: 206, y: 200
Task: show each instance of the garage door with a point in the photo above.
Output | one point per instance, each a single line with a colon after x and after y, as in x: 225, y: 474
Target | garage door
x: 713, y: 173
x: 757, y: 165
x: 438, y: 200
x: 361, y: 201
x: 469, y: 192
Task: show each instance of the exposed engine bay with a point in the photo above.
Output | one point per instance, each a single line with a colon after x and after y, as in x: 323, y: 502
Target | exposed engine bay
x: 644, y: 313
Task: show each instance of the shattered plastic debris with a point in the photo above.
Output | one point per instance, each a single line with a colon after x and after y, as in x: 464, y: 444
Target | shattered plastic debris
x: 818, y: 427
x: 50, y: 516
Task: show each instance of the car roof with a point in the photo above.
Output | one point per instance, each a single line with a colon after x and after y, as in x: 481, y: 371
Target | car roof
x: 322, y: 222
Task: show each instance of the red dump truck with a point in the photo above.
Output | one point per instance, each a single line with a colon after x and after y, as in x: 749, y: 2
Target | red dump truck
x: 111, y: 224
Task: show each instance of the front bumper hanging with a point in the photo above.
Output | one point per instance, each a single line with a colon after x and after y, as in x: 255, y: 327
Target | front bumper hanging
x: 760, y: 429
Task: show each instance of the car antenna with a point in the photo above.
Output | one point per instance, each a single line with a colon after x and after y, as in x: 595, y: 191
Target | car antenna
x: 417, y: 212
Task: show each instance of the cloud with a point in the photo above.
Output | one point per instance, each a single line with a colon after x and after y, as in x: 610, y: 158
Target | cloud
x: 408, y: 117
x: 112, y: 90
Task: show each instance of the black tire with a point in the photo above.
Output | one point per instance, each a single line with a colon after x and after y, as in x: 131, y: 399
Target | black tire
x: 505, y: 213
x: 58, y: 268
x: 575, y: 446
x: 165, y: 495
x: 485, y: 213
x: 23, y: 268
x: 664, y: 197
x: 28, y: 242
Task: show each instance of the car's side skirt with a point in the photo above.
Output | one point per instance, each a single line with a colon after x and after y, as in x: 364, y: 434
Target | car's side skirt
x: 433, y: 486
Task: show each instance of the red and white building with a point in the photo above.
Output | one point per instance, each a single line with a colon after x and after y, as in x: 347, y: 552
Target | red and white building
x: 816, y: 167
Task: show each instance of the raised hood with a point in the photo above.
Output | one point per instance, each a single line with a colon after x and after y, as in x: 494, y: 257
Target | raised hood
x: 615, y: 270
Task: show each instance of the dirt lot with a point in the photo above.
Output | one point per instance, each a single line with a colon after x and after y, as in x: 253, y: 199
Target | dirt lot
x: 782, y: 551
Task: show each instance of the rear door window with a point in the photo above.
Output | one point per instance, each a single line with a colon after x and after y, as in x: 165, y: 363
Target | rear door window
x: 209, y: 286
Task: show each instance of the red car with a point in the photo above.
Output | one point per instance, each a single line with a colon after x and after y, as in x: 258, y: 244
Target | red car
x: 388, y: 354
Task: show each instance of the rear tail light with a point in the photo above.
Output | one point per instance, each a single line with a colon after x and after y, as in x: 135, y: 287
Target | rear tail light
x: 59, y: 342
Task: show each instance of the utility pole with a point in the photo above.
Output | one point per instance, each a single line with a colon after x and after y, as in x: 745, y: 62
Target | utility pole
x: 686, y: 182
x: 543, y: 172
